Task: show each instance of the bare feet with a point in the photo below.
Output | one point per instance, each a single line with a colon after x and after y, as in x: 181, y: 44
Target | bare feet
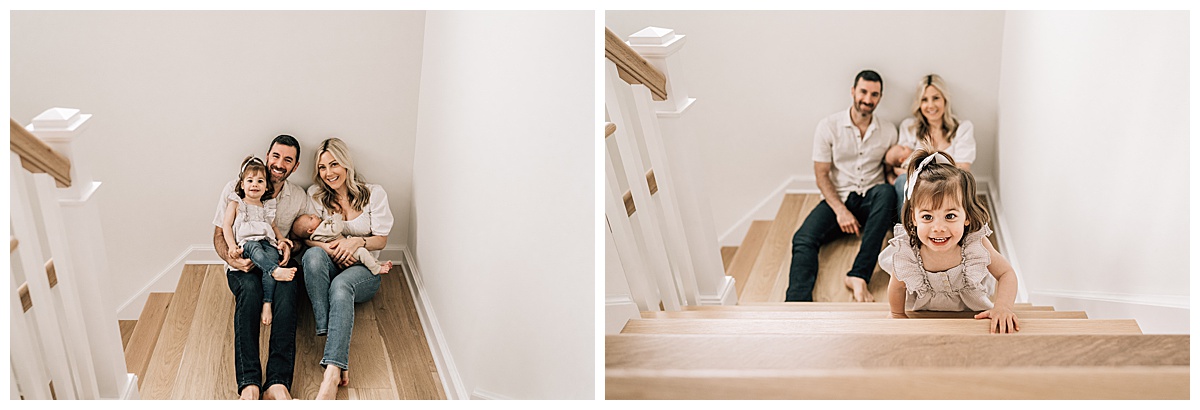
x: 385, y: 268
x: 283, y: 274
x: 329, y: 385
x: 249, y: 393
x: 266, y: 315
x: 277, y: 392
x: 859, y: 287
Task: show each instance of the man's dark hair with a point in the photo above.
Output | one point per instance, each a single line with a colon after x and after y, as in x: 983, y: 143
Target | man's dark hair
x: 285, y: 140
x: 869, y: 75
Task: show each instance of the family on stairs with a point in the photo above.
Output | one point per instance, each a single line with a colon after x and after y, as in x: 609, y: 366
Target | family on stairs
x: 945, y: 276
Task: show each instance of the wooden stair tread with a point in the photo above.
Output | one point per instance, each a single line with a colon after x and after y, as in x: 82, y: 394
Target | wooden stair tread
x: 1005, y: 383
x: 825, y: 306
x: 847, y: 314
x: 742, y: 262
x: 144, y: 336
x: 416, y: 375
x: 127, y: 327
x: 873, y: 326
x: 895, y: 350
x: 161, y: 373
x: 776, y: 250
x: 207, y: 365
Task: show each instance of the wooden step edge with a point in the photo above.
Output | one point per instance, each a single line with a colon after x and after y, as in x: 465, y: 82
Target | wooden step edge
x: 742, y: 262
x: 126, y: 327
x: 862, y: 314
x: 824, y: 306
x: 874, y: 326
x: 142, y: 342
x: 1024, y: 383
x: 727, y: 254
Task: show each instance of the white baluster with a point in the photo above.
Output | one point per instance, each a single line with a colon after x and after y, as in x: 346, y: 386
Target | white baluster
x: 27, y: 366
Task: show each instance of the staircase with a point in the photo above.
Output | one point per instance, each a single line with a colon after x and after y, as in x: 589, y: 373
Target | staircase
x: 765, y: 348
x: 182, y: 345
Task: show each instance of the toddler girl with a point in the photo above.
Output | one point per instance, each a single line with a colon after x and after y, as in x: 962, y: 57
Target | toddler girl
x: 249, y: 227
x: 940, y: 255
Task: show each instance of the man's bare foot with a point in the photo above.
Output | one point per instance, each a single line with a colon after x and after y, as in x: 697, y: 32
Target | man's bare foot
x: 385, y: 268
x: 266, y: 316
x: 249, y: 393
x: 859, y: 287
x: 329, y: 385
x: 277, y: 392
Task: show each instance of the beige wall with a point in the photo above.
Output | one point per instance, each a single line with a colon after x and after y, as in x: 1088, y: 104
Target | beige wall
x: 180, y: 98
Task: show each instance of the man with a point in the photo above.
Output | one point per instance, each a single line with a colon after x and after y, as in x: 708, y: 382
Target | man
x: 245, y: 281
x: 848, y: 152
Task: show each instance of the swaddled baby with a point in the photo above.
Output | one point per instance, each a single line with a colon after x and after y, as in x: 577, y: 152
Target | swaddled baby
x: 331, y: 230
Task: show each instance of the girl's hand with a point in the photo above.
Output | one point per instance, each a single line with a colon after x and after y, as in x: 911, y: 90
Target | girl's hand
x: 1003, y: 320
x: 235, y: 252
x: 900, y: 315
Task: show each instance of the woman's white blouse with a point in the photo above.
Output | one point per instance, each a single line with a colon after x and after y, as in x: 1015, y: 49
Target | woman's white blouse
x: 962, y: 146
x: 376, y: 219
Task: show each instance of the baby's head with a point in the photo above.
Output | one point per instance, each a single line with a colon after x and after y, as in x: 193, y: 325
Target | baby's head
x: 942, y: 207
x: 896, y: 155
x: 305, y: 224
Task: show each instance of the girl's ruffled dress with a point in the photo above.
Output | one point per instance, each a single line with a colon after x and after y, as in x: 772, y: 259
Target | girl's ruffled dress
x: 961, y: 288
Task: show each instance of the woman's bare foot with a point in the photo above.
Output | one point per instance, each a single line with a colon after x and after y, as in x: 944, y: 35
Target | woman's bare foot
x: 277, y: 392
x: 249, y: 393
x: 385, y: 268
x: 329, y: 385
x: 859, y: 287
x: 266, y: 316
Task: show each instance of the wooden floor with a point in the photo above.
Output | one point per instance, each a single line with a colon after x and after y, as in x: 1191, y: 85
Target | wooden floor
x: 193, y: 356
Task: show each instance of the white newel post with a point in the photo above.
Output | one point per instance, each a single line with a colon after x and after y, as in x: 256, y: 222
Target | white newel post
x: 659, y: 46
x: 87, y: 279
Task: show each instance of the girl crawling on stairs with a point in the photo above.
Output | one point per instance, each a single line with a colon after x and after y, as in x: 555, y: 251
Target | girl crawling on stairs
x: 249, y: 228
x: 940, y: 254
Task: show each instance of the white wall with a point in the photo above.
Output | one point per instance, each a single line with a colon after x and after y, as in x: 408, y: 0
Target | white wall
x: 504, y: 215
x: 180, y: 98
x: 763, y: 79
x: 1093, y: 161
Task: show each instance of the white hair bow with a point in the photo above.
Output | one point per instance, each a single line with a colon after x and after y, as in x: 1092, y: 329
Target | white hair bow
x: 912, y: 179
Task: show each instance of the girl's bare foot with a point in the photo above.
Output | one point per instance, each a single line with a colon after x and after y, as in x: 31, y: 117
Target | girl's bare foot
x: 859, y: 287
x: 249, y: 393
x: 329, y: 385
x: 277, y: 392
x: 385, y: 267
x: 283, y: 274
x: 266, y: 316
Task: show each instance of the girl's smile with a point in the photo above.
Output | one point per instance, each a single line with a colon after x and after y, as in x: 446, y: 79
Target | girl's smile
x: 941, y: 229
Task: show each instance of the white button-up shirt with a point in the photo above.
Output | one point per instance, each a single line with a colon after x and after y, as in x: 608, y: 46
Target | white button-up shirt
x: 857, y: 163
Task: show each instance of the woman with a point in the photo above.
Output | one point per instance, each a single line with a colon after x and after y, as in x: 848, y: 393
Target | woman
x: 934, y: 127
x: 333, y: 276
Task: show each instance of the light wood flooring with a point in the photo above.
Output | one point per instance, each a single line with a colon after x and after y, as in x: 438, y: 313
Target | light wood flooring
x: 193, y: 351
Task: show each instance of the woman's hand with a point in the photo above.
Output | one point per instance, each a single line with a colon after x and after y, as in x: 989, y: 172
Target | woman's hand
x: 343, y: 250
x: 1003, y: 320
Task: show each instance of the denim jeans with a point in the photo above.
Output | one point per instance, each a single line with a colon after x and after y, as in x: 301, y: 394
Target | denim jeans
x: 900, y: 181
x: 266, y: 258
x: 875, y: 215
x: 247, y: 316
x: 333, y: 293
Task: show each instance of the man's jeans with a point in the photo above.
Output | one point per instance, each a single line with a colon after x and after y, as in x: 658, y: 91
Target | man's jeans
x: 875, y: 214
x: 333, y: 295
x: 247, y: 316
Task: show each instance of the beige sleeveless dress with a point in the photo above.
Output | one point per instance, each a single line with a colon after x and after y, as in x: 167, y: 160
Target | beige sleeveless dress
x: 958, y: 289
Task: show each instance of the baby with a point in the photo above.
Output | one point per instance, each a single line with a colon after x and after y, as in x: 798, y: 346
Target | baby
x: 330, y: 230
x: 894, y: 159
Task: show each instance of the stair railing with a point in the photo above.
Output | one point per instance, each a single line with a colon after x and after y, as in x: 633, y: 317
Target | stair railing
x: 658, y: 221
x: 64, y: 338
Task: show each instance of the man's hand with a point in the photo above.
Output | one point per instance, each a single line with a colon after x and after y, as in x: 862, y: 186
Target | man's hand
x: 847, y: 221
x: 285, y: 247
x: 242, y: 264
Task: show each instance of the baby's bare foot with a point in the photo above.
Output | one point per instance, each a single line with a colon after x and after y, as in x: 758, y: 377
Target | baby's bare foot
x: 385, y: 267
x: 266, y: 315
x: 859, y: 287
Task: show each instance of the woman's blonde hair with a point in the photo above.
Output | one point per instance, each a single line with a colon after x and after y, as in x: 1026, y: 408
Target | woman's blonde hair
x: 935, y: 184
x: 921, y: 127
x: 358, y: 194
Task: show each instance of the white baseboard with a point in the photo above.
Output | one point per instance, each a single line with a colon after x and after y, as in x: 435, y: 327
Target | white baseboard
x: 167, y: 280
x: 618, y: 310
x: 726, y: 296
x: 768, y: 207
x: 485, y: 395
x: 1154, y: 313
x: 451, y: 381
x: 131, y: 390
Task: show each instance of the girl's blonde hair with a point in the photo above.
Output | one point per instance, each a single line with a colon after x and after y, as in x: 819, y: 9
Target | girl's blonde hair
x: 249, y: 165
x: 359, y: 195
x: 935, y: 184
x: 921, y: 127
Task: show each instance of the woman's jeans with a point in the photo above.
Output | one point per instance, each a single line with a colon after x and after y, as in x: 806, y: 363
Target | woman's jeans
x: 265, y: 257
x: 333, y: 294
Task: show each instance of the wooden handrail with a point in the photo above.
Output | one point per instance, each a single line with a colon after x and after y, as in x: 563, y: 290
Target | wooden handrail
x: 36, y: 156
x: 632, y: 67
x: 609, y: 129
